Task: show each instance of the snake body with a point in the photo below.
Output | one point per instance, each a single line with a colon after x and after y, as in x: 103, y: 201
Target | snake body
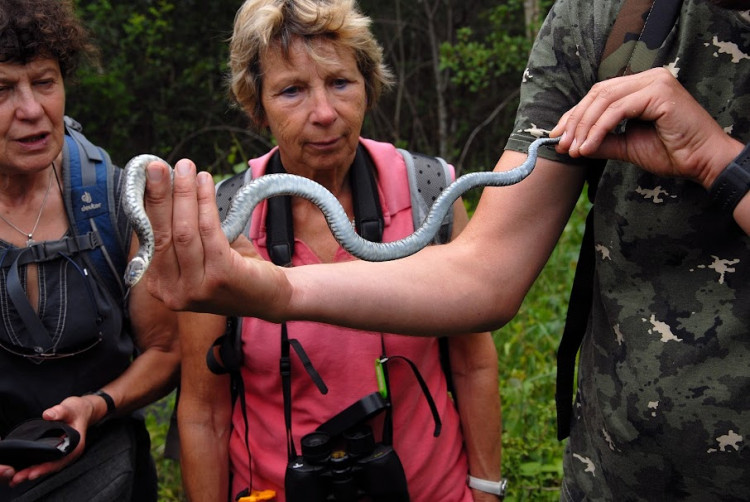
x: 271, y: 185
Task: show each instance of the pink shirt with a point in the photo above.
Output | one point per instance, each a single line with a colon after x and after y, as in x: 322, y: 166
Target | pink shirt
x: 436, y: 468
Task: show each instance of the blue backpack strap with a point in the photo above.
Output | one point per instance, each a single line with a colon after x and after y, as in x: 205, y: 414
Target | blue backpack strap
x: 428, y: 177
x: 88, y: 175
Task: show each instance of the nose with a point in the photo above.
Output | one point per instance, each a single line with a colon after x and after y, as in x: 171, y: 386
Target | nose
x: 323, y: 111
x: 27, y: 104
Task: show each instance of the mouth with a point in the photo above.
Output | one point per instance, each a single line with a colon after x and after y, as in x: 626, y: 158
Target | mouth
x: 29, y: 140
x: 324, y: 143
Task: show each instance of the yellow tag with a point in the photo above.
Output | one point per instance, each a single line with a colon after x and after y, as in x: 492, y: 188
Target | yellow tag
x: 259, y: 496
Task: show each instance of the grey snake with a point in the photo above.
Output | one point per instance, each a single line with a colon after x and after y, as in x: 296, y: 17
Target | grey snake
x: 271, y: 185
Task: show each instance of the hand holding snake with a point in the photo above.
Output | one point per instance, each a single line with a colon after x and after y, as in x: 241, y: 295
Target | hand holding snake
x: 271, y: 185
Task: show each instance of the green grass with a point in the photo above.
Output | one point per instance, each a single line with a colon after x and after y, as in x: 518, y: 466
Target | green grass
x: 532, y: 456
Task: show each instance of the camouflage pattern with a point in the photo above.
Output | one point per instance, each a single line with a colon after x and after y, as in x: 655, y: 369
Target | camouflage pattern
x: 636, y: 37
x: 662, y: 410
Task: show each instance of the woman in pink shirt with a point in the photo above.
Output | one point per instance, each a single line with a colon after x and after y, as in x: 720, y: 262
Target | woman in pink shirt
x: 308, y: 71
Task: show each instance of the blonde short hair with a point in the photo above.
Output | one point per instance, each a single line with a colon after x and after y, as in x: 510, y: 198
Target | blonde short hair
x: 262, y: 24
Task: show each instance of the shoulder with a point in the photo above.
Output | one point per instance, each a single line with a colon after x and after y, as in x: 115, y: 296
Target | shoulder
x: 562, y: 66
x: 389, y: 166
x: 258, y: 165
x: 382, y: 153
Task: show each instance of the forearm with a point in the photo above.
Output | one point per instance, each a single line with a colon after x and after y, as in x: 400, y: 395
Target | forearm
x: 151, y: 376
x: 205, y: 411
x: 475, y: 375
x: 474, y: 283
x: 402, y: 292
x: 204, y: 461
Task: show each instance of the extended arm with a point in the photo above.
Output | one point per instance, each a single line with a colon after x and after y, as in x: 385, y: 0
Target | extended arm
x: 485, y: 272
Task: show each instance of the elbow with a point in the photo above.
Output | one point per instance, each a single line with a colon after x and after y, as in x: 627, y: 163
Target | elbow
x: 495, y: 311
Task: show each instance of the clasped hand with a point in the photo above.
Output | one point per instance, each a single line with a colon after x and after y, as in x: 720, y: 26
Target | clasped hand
x: 668, y: 132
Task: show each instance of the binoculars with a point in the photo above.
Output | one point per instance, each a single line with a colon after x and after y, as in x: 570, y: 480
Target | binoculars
x: 360, y: 470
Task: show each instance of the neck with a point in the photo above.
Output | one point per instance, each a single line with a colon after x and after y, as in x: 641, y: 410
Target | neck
x: 335, y: 179
x: 19, y: 189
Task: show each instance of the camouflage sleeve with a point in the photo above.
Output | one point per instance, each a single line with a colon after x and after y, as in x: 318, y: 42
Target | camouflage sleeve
x: 562, y: 67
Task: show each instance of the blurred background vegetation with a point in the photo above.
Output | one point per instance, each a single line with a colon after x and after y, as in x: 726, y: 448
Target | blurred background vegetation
x: 160, y: 88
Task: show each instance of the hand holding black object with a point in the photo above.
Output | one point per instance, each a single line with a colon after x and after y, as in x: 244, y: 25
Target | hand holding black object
x: 37, y: 441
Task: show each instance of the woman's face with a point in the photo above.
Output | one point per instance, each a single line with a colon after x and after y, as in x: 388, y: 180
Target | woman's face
x: 314, y: 110
x: 32, y: 105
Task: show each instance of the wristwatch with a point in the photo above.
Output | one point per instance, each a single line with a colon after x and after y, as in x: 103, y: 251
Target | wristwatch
x: 493, y: 487
x: 111, y: 408
x: 733, y: 183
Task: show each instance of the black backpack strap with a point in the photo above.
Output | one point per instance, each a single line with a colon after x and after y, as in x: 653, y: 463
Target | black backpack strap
x: 279, y: 231
x: 639, y: 32
x: 576, y: 320
x: 368, y: 215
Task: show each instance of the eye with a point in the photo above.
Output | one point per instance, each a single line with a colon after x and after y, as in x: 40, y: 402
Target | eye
x: 290, y: 91
x: 44, y: 83
x: 340, y: 83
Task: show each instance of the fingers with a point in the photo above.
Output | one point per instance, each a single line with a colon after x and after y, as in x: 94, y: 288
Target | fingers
x: 186, y: 237
x: 39, y: 470
x: 74, y: 411
x: 6, y: 474
x: 158, y: 204
x: 189, y: 242
x: 215, y: 245
x: 586, y: 126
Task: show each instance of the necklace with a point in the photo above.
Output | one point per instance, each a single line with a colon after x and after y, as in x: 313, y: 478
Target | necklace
x: 30, y: 235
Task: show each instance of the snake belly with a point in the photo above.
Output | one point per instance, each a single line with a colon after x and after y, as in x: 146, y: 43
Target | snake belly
x: 272, y: 185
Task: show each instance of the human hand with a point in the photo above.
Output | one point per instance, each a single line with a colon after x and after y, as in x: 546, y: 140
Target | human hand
x: 194, y: 266
x: 668, y: 132
x: 77, y: 412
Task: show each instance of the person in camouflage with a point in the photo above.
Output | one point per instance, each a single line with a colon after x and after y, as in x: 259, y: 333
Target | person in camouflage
x: 663, y: 402
x: 663, y: 408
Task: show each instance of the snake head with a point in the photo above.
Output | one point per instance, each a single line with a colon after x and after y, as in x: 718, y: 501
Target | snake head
x: 135, y: 271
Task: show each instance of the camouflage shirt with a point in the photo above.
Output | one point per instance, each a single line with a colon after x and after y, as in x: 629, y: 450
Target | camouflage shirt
x: 663, y: 404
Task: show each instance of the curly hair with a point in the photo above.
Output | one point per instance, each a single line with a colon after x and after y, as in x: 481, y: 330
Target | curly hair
x: 31, y: 29
x: 262, y: 24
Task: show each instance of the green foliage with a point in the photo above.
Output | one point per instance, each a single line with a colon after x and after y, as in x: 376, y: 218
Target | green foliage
x: 168, y: 470
x: 159, y: 87
x: 476, y: 61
